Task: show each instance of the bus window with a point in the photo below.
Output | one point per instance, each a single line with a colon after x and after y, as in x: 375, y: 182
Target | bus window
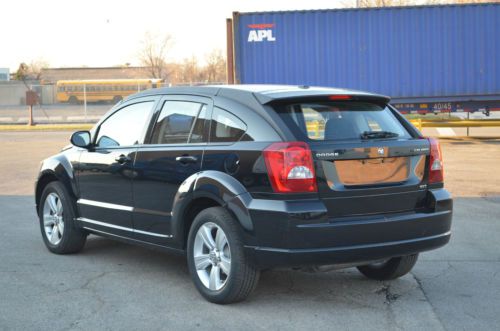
x: 107, y: 89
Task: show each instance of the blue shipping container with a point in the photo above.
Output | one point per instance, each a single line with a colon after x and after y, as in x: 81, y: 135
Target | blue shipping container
x: 432, y: 52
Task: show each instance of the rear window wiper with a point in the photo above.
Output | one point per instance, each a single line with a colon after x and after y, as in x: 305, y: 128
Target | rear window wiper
x: 378, y: 134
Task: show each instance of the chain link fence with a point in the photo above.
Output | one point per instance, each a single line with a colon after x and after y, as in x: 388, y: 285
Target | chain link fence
x: 70, y: 101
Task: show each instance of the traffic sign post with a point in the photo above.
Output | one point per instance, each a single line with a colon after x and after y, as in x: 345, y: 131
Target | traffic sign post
x: 31, y: 100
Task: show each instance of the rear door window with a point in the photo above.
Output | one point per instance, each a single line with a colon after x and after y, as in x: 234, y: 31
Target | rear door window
x: 180, y: 122
x: 341, y: 121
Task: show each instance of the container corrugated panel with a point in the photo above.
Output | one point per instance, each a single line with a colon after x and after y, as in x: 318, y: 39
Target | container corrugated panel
x: 427, y: 51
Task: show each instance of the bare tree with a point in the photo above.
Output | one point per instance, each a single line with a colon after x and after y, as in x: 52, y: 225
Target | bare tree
x: 190, y: 71
x: 383, y: 3
x: 395, y: 3
x: 22, y: 74
x: 30, y: 73
x: 215, y: 68
x: 36, y: 68
x: 153, y: 54
x: 445, y: 2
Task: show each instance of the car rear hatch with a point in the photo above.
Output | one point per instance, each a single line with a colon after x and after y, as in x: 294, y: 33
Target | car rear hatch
x: 367, y: 161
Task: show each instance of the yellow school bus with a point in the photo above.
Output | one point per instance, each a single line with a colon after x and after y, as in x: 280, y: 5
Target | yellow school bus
x: 99, y: 90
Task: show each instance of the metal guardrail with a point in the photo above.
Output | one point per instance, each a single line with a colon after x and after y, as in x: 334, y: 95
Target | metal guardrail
x: 455, y: 124
x: 316, y: 128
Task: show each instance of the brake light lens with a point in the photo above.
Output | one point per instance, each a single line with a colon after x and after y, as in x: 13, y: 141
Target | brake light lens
x: 290, y: 167
x: 436, y: 171
x: 339, y: 97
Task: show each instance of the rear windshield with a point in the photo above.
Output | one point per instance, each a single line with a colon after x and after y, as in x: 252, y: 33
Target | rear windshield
x: 341, y: 121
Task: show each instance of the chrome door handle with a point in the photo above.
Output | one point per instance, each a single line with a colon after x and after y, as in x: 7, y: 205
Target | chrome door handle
x: 186, y: 159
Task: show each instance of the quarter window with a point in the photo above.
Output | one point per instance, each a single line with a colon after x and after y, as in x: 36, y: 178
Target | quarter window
x: 180, y: 122
x: 124, y: 127
x: 226, y: 127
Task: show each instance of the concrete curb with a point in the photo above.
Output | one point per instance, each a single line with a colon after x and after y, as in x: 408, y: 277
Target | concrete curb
x: 46, y: 127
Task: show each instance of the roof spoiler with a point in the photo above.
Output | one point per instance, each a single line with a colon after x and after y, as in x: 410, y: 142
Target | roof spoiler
x: 326, y: 97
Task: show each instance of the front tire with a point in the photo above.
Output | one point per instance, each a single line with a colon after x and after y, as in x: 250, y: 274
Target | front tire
x: 216, y: 258
x: 390, y: 269
x: 57, y: 214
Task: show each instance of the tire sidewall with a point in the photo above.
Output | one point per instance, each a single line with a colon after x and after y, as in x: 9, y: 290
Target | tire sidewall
x: 210, y: 215
x: 391, y: 269
x: 68, y: 215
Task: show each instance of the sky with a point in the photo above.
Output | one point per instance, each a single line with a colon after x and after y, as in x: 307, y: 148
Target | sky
x: 101, y: 33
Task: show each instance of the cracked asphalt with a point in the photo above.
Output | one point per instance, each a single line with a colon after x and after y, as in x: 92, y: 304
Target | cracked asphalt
x: 114, y: 286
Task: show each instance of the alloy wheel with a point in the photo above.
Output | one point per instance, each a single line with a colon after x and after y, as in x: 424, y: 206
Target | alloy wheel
x: 212, y: 256
x: 53, y: 222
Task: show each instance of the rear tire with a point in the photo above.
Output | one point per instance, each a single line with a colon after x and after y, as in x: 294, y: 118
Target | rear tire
x: 56, y: 213
x: 390, y: 269
x: 214, y: 255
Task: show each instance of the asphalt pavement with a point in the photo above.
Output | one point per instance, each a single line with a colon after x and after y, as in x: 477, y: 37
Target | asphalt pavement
x: 114, y: 286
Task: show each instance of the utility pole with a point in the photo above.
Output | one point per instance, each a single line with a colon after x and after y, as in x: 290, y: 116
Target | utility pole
x: 230, y: 51
x: 85, y: 101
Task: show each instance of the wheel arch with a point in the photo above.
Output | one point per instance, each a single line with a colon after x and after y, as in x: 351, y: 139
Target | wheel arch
x: 44, y: 180
x: 204, y: 190
x: 55, y: 169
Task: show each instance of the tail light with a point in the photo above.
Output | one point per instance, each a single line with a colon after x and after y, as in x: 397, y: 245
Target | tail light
x: 290, y: 167
x: 436, y: 171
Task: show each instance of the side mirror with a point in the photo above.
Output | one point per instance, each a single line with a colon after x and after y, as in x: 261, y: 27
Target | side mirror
x: 81, y: 139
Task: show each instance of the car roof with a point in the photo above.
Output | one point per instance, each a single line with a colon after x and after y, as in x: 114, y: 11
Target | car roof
x: 263, y: 93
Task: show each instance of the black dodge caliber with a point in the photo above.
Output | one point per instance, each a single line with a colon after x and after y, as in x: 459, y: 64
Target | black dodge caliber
x: 245, y: 178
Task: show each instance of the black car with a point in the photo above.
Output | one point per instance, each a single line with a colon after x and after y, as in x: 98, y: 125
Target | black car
x: 244, y: 178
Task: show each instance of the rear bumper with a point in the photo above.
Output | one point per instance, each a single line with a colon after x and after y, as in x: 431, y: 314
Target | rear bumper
x: 320, y: 241
x: 273, y: 257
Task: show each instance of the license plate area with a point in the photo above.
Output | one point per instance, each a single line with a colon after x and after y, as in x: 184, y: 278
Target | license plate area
x: 375, y: 171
